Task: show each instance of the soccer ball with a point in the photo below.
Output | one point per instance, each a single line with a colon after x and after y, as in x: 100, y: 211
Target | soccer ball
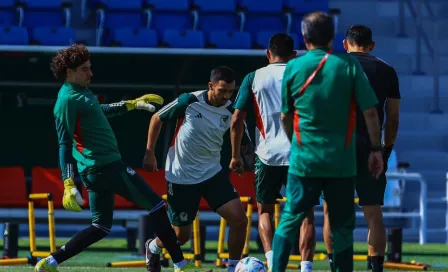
x: 250, y: 264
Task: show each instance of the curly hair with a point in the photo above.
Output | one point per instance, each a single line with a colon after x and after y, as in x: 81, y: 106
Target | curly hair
x: 69, y: 58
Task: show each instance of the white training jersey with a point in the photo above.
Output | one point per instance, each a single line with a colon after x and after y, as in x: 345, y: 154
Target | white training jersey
x: 260, y: 95
x: 194, y: 154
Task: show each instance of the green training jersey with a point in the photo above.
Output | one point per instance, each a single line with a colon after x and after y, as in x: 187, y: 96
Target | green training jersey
x: 323, y: 143
x: 84, y: 133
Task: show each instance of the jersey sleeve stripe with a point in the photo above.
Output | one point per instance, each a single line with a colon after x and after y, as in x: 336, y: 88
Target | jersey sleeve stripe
x: 168, y: 107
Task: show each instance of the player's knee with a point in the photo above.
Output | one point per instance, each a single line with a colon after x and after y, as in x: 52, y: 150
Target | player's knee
x: 373, y: 216
x: 265, y: 209
x: 239, y: 221
x: 183, y: 237
x: 102, y: 231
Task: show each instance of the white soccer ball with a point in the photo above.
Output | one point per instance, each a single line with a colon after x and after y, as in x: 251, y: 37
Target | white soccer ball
x: 250, y: 264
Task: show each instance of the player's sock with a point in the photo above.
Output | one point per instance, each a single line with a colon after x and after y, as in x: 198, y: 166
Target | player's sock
x: 306, y: 266
x: 231, y: 265
x: 154, y: 248
x: 180, y: 265
x: 330, y: 260
x: 269, y: 256
x: 79, y: 242
x: 166, y: 234
x: 369, y: 262
x: 52, y: 261
x: 377, y: 263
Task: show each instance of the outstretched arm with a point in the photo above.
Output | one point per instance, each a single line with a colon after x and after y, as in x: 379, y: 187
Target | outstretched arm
x: 141, y: 103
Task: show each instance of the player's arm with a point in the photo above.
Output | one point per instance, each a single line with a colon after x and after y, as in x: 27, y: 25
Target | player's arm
x: 367, y: 100
x: 65, y: 117
x: 172, y: 111
x: 243, y: 104
x: 141, y: 103
x: 392, y: 112
x: 287, y: 115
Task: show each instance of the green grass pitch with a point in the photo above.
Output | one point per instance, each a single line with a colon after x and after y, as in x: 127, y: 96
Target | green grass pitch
x: 96, y: 258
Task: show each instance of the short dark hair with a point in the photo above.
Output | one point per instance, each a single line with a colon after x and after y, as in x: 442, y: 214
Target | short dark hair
x: 222, y: 73
x: 318, y: 28
x: 281, y: 45
x: 359, y: 35
x: 69, y: 58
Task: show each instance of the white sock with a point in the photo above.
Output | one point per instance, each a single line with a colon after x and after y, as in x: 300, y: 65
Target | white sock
x: 269, y: 255
x: 180, y: 264
x: 306, y: 266
x: 154, y: 248
x: 52, y: 261
x: 231, y: 265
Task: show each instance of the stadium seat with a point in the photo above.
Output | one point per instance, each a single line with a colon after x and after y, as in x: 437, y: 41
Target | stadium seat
x: 13, y: 35
x: 134, y: 37
x: 216, y: 15
x: 264, y: 15
x: 53, y: 36
x: 305, y: 6
x: 13, y: 178
x: 48, y: 180
x: 170, y: 14
x: 262, y: 39
x: 154, y: 179
x: 183, y: 38
x: 337, y: 43
x: 7, y: 13
x: 45, y: 13
x: 244, y: 185
x: 230, y: 40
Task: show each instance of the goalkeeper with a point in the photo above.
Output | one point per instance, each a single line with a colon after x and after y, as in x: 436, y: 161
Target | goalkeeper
x: 84, y: 132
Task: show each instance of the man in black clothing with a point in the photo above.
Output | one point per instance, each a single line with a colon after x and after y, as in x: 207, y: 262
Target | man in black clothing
x: 384, y: 81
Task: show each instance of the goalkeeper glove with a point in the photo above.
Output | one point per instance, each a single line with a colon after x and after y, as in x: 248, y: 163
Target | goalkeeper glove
x: 143, y: 103
x: 72, y: 199
x: 387, y: 151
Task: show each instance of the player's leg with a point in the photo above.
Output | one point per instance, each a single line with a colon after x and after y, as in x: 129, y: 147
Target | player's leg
x: 297, y: 207
x: 130, y: 185
x: 371, y: 197
x: 101, y: 205
x: 339, y: 195
x: 183, y: 203
x: 268, y: 183
x: 327, y: 236
x: 307, y: 242
x: 223, y: 198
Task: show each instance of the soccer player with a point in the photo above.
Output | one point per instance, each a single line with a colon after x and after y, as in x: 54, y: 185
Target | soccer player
x: 84, y: 132
x: 319, y: 92
x: 259, y: 99
x: 193, y: 168
x: 384, y: 80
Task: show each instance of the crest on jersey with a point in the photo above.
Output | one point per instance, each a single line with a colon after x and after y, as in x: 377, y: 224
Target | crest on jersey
x: 224, y: 120
x: 130, y: 171
x: 183, y: 216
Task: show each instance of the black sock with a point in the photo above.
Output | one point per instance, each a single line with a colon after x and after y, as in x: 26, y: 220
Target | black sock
x: 330, y: 259
x: 369, y: 262
x: 377, y: 263
x: 79, y: 242
x: 162, y: 228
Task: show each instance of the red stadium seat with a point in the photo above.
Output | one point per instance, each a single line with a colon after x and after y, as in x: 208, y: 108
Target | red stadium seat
x: 48, y: 180
x: 244, y: 185
x: 13, y: 178
x: 154, y: 179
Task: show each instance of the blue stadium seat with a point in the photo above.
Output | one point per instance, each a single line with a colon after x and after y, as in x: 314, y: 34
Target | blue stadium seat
x: 7, y: 13
x: 54, y: 36
x: 135, y: 37
x: 183, y: 38
x: 13, y: 35
x: 305, y: 6
x: 230, y: 40
x: 265, y: 15
x: 217, y: 15
x: 120, y: 13
x: 337, y: 43
x: 45, y: 13
x: 170, y: 14
x: 263, y: 37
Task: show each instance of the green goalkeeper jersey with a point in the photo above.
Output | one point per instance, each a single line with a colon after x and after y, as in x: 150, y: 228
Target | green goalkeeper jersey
x: 84, y: 133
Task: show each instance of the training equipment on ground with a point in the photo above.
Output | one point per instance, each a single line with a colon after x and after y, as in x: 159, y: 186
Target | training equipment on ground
x: 250, y: 264
x: 165, y: 256
x: 34, y: 254
x: 222, y: 233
